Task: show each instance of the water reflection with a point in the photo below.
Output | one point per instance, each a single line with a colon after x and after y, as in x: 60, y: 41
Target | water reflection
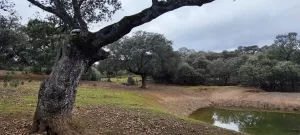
x: 251, y: 122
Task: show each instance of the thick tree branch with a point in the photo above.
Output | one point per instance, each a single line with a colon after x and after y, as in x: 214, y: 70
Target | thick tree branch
x: 117, y: 30
x: 154, y: 2
x: 100, y: 55
x: 58, y: 11
x: 66, y: 18
x: 77, y: 15
x: 48, y: 9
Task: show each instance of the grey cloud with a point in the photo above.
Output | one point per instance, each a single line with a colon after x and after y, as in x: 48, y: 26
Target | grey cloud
x: 220, y: 25
x: 231, y: 24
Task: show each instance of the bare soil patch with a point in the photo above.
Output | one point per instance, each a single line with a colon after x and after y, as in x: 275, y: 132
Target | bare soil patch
x: 183, y: 102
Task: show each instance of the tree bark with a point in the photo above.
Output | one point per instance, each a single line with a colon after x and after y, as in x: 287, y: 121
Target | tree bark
x: 57, y: 96
x: 144, y: 82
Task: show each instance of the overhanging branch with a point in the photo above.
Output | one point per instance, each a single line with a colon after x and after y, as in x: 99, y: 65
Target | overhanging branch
x: 77, y: 14
x: 67, y: 19
x: 46, y: 8
x: 59, y: 11
x: 100, y: 55
x: 117, y: 30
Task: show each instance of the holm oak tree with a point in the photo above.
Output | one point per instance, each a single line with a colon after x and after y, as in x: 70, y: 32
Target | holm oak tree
x: 83, y: 48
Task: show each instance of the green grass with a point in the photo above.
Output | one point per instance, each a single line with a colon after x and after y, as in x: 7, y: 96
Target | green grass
x: 30, y: 99
x: 120, y: 80
x: 18, y: 100
x: 124, y: 79
x: 18, y: 105
x: 24, y: 98
x: 7, y: 108
x: 87, y: 96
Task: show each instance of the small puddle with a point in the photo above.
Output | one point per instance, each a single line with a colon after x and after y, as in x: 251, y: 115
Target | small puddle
x: 251, y: 122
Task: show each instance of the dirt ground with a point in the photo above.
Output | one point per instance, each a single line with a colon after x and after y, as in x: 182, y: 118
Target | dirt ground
x: 111, y: 120
x: 184, y: 102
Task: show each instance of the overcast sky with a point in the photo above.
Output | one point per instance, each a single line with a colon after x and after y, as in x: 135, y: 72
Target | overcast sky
x: 220, y: 25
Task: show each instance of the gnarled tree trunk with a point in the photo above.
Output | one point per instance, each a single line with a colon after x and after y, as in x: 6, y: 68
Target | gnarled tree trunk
x: 57, y: 96
x: 58, y: 92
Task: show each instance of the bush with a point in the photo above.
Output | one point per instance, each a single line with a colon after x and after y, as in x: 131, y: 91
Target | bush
x: 91, y: 75
x: 36, y: 70
x: 130, y: 81
x: 270, y: 75
x: 6, y: 79
x: 15, y: 83
x: 186, y: 75
x: 5, y: 83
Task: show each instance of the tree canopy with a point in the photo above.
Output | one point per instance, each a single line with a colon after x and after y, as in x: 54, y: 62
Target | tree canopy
x: 141, y: 53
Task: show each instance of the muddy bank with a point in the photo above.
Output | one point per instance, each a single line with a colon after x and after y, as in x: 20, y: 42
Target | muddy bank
x: 184, y: 102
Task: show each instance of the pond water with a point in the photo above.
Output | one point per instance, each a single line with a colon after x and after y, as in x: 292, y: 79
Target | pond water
x: 251, y: 122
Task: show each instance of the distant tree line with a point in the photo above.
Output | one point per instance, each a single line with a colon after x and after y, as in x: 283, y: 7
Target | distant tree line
x: 271, y: 67
x: 274, y: 67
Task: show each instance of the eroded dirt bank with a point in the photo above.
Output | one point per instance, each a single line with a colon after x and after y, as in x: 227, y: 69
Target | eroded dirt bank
x: 184, y: 102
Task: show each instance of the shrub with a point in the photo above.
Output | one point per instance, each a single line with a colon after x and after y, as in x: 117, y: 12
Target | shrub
x: 6, y: 79
x: 186, y: 75
x: 14, y: 83
x: 130, y: 80
x: 91, y: 75
x: 36, y: 70
x: 5, y: 83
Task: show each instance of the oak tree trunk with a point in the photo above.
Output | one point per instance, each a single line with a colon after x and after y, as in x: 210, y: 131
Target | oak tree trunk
x: 108, y: 78
x: 57, y: 92
x: 144, y: 82
x: 57, y: 96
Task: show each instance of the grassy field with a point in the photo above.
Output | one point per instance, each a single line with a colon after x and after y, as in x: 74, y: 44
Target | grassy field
x: 24, y: 97
x: 101, y: 108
